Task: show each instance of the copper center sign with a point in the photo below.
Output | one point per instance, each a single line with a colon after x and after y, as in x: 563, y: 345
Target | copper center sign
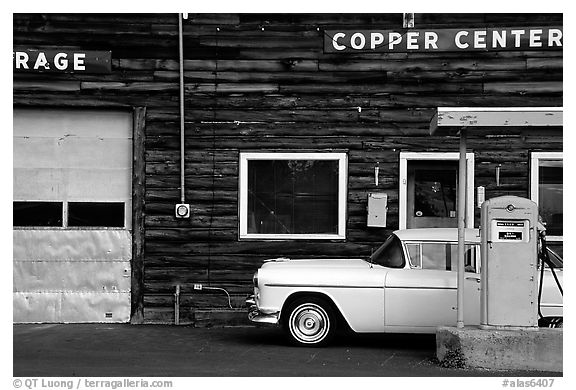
x: 422, y: 40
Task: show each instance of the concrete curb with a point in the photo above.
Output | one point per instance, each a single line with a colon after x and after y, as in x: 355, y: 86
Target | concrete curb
x: 472, y: 347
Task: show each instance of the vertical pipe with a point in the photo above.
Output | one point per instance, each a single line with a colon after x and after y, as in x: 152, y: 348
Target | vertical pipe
x: 177, y: 305
x: 461, y: 227
x: 181, y: 54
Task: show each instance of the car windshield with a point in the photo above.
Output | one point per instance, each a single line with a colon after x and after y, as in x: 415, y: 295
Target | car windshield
x: 389, y: 254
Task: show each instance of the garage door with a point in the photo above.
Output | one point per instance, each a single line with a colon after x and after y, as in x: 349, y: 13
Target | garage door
x: 72, y: 215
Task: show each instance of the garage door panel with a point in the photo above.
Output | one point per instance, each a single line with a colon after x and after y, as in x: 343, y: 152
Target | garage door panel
x: 71, y: 245
x: 39, y: 184
x: 95, y: 307
x: 99, y: 184
x: 34, y: 307
x: 71, y: 152
x: 83, y: 276
x: 81, y: 123
x: 72, y: 184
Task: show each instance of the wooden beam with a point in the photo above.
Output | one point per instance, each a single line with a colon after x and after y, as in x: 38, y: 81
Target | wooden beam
x: 138, y: 195
x: 457, y: 117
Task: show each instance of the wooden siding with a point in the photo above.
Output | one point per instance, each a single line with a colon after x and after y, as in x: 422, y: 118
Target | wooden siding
x: 262, y: 82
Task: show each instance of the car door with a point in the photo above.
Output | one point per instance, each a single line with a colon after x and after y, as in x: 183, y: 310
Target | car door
x: 424, y: 295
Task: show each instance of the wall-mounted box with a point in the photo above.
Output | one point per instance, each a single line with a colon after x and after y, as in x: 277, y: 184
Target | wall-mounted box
x: 377, y: 209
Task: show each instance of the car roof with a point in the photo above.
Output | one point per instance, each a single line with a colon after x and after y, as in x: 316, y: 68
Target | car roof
x: 437, y: 234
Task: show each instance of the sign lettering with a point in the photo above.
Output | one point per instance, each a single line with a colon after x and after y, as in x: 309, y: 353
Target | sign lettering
x: 417, y: 40
x: 62, y: 61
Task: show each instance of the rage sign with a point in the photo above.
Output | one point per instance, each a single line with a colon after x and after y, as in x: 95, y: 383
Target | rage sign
x: 29, y: 60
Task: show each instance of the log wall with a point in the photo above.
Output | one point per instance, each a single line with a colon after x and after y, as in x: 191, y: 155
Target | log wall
x: 262, y: 82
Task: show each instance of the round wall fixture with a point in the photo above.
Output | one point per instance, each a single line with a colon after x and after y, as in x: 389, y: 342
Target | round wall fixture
x: 182, y: 210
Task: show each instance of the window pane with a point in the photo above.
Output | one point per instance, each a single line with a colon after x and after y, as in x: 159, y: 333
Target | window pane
x: 389, y: 254
x: 293, y: 196
x: 470, y: 259
x: 414, y: 253
x: 101, y: 214
x: 550, y: 196
x: 37, y: 214
x: 435, y: 256
x: 434, y: 193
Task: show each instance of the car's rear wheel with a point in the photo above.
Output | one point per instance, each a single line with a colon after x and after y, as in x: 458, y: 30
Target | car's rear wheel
x: 309, y: 321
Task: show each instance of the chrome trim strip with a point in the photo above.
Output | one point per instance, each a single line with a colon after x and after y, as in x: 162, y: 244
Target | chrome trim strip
x: 340, y: 286
x: 317, y: 285
x: 422, y: 288
x: 551, y: 305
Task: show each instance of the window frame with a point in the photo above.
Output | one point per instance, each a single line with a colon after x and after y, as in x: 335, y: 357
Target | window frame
x: 245, y: 157
x: 535, y: 158
x: 436, y: 156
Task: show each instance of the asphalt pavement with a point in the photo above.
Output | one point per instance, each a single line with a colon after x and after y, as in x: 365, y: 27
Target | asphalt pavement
x: 123, y: 350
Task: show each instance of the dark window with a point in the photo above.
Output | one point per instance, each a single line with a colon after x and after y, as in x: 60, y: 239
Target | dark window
x: 293, y: 196
x: 550, y: 196
x: 390, y: 254
x: 97, y: 214
x: 435, y: 193
x: 37, y: 214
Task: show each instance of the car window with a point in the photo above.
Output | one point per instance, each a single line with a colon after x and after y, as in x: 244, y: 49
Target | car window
x: 441, y: 256
x: 471, y: 258
x: 436, y: 256
x: 390, y: 254
x: 414, y: 255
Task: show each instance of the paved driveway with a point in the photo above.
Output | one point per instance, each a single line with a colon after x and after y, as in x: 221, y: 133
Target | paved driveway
x: 88, y: 350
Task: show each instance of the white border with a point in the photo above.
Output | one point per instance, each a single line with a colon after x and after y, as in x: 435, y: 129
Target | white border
x: 438, y: 156
x: 342, y: 159
x: 502, y: 109
x: 535, y: 158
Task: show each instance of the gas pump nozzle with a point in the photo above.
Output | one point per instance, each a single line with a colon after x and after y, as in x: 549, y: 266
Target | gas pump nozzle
x: 541, y: 226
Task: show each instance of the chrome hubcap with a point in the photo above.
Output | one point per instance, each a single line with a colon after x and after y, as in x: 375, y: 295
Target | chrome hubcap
x: 309, y: 323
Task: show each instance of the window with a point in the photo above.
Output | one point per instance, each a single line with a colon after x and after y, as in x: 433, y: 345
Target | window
x: 428, y: 189
x: 435, y: 192
x: 442, y: 256
x: 293, y: 195
x: 94, y: 214
x: 68, y: 214
x: 389, y: 254
x: 547, y: 191
x: 47, y: 214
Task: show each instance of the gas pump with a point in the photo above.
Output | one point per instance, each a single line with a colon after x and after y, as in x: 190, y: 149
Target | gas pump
x: 509, y: 289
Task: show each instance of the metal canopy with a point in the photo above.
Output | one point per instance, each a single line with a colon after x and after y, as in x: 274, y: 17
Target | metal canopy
x: 451, y: 119
x: 461, y: 120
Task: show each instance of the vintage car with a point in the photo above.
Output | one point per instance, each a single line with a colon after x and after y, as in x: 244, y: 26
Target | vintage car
x: 408, y: 285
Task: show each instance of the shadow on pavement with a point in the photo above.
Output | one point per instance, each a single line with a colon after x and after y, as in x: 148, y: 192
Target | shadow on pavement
x: 275, y: 337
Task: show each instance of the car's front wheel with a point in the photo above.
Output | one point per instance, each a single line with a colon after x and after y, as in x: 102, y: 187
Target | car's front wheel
x: 309, y: 322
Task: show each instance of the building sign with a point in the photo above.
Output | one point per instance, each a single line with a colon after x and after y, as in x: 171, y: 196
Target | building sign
x: 61, y: 61
x: 416, y: 40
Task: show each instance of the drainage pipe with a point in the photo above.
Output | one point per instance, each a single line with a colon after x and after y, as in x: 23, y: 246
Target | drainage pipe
x: 177, y: 305
x: 181, y: 54
x: 461, y: 228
